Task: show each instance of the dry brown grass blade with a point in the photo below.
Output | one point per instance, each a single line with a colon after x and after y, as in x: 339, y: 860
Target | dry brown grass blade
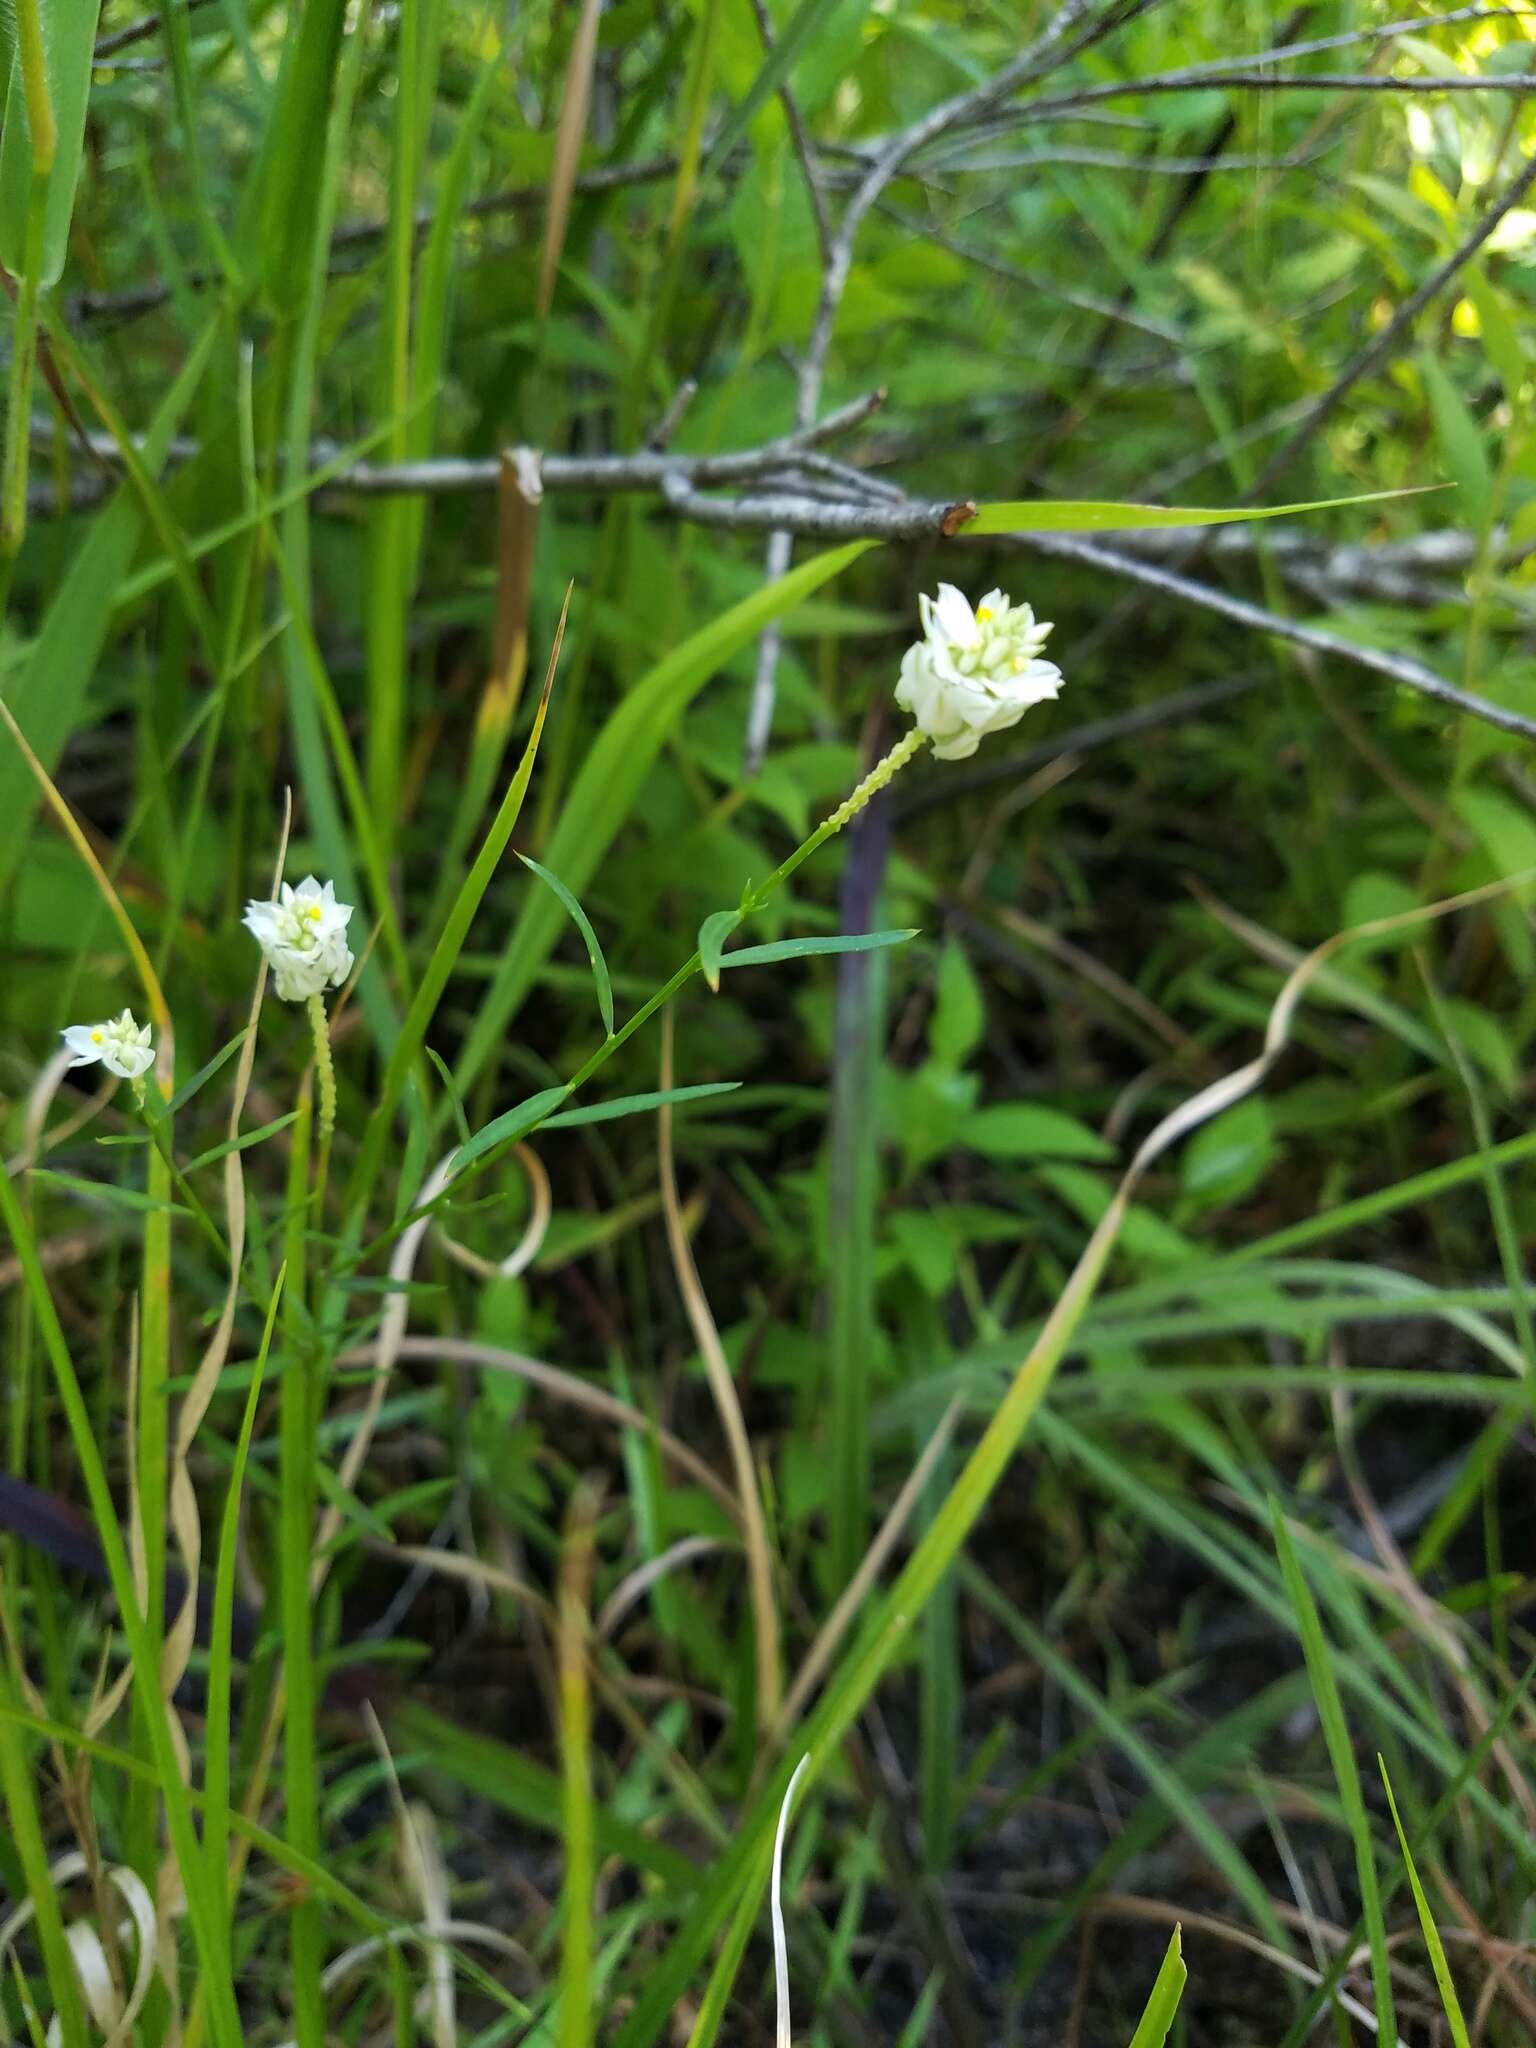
x: 717, y: 1369
x: 569, y: 137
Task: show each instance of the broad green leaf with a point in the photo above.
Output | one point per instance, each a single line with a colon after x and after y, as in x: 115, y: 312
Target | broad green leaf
x: 1461, y: 442
x: 713, y: 933
x: 1501, y: 341
x: 959, y: 1014
x: 69, y: 31
x: 589, y: 938
x: 1230, y: 1155
x: 1029, y: 1130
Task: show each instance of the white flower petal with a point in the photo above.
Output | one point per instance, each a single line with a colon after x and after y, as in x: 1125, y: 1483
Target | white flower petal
x: 952, y: 609
x: 84, y: 1041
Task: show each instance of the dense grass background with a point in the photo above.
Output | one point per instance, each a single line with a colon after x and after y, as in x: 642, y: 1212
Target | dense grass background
x: 1188, y: 1528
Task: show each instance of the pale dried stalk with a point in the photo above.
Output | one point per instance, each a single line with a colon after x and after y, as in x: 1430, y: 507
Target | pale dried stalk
x: 569, y: 136
x: 754, y: 1529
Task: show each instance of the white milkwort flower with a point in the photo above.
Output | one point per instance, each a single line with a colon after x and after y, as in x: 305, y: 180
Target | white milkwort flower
x: 974, y: 672
x: 304, y: 936
x: 121, y: 1046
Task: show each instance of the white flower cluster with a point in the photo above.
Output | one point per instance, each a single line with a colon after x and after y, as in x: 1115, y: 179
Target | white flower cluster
x: 974, y: 672
x: 122, y: 1046
x: 304, y: 936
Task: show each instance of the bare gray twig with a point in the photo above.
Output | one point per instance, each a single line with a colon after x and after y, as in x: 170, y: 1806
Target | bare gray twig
x: 136, y: 32
x: 1399, y: 668
x: 1073, y: 27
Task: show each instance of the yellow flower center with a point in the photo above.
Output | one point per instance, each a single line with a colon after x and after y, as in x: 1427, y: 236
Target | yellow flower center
x: 983, y: 613
x: 312, y: 912
x: 96, y: 1038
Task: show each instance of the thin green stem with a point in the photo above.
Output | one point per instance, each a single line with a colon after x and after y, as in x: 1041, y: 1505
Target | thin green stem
x: 297, y: 1460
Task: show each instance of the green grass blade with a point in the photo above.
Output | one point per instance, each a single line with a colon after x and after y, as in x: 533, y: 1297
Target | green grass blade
x: 1156, y: 2022
x: 1330, y: 1708
x: 291, y: 197
x: 69, y: 30
x: 811, y: 949
x: 17, y: 1780
x: 49, y: 692
x: 494, y: 1770
x: 1065, y: 515
x: 445, y: 953
x: 202, y: 1910
x: 1432, y: 1941
x: 1170, y: 1788
x: 798, y: 34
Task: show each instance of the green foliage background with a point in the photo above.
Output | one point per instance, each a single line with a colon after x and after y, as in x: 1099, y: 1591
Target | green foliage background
x: 1271, y: 1519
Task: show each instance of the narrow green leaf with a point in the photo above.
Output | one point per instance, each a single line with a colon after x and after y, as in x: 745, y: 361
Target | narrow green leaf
x: 805, y: 949
x: 246, y: 1138
x: 206, y: 1073
x: 1330, y: 1710
x: 445, y: 953
x: 108, y: 1192
x: 636, y: 1105
x: 493, y: 1770
x: 1069, y: 515
x: 512, y: 1123
x: 216, y: 1728
x: 1432, y: 1941
x: 1153, y: 2028
x: 798, y: 34
x: 290, y: 193
x: 589, y: 938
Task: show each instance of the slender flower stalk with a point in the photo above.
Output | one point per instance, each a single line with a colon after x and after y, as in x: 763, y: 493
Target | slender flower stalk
x: 325, y: 1069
